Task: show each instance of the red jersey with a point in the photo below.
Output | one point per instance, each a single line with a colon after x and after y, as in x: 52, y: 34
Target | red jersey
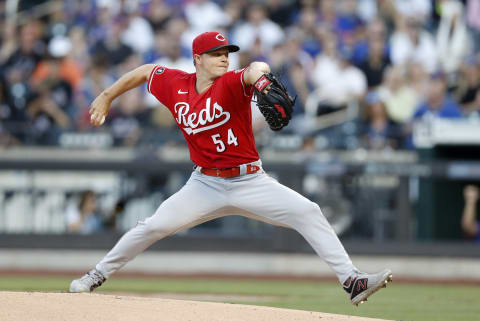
x: 217, y: 124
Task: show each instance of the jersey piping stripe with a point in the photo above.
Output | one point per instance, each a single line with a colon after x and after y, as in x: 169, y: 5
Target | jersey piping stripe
x: 151, y: 78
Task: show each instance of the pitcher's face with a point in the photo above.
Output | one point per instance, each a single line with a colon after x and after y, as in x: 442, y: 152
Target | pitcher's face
x: 215, y: 63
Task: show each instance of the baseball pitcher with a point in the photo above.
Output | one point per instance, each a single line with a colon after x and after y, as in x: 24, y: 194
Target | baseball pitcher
x: 212, y: 109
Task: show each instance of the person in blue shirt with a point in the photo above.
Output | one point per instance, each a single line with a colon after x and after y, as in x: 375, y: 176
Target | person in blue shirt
x: 438, y: 102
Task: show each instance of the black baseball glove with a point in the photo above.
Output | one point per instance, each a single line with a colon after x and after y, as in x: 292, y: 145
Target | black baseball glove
x: 274, y: 102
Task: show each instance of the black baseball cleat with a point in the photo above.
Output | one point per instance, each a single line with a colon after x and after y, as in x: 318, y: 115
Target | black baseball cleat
x: 88, y: 282
x: 361, y: 285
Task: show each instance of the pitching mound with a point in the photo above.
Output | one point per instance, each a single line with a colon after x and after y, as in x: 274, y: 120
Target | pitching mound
x: 24, y: 306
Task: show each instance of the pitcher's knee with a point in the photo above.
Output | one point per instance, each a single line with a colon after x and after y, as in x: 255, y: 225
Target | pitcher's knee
x: 316, y: 208
x: 307, y: 210
x: 309, y: 207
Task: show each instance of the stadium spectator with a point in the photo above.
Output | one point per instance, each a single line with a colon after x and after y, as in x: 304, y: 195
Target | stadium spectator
x: 178, y: 29
x: 470, y: 224
x: 378, y: 132
x: 387, y: 12
x: 175, y: 32
x: 453, y: 41
x: 204, y: 15
x: 29, y: 51
x: 173, y: 57
x: 411, y: 43
x: 306, y: 30
x: 16, y: 72
x: 398, y: 95
x: 80, y: 50
x: 158, y: 13
x: 293, y: 64
x: 57, y: 21
x: 49, y: 107
x: 59, y: 65
x: 375, y: 63
x: 438, y: 103
x: 81, y: 12
x: 99, y: 23
x: 281, y: 12
x: 376, y: 30
x: 138, y: 33
x: 418, y: 9
x: 327, y: 15
x: 367, y: 10
x: 418, y: 78
x: 235, y: 10
x: 82, y: 217
x: 468, y: 85
x: 473, y: 12
x: 258, y: 29
x: 113, y: 46
x: 349, y: 25
x: 337, y: 82
x: 162, y: 40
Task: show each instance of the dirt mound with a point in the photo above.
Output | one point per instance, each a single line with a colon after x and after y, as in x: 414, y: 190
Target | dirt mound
x: 25, y: 306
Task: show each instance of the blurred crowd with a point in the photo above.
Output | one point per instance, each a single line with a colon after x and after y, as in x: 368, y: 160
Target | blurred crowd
x: 363, y: 70
x: 85, y: 216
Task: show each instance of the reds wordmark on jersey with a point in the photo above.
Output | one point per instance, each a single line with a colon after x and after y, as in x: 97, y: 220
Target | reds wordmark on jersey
x: 217, y: 124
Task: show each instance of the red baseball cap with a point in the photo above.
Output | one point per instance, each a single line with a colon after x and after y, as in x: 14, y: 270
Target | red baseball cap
x: 211, y: 41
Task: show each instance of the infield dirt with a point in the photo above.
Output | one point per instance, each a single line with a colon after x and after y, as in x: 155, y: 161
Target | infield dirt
x: 26, y: 306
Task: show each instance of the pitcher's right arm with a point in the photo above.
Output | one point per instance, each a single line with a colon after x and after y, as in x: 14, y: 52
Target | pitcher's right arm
x: 101, y: 105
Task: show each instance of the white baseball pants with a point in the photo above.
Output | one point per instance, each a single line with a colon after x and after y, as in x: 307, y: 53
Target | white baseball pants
x: 256, y: 196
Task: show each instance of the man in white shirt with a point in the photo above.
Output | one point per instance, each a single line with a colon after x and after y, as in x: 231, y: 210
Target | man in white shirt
x: 258, y: 28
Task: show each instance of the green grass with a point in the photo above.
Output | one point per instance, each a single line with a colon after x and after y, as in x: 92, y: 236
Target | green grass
x: 399, y: 301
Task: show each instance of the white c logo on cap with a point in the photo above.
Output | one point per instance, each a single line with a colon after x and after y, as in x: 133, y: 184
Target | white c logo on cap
x: 220, y: 37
